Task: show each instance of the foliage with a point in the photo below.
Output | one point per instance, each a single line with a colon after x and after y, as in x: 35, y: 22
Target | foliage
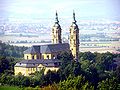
x: 65, y: 57
x: 11, y: 51
x: 92, y: 71
x: 108, y: 84
x: 7, y: 65
x: 50, y: 87
x: 51, y: 77
x: 73, y: 68
x: 15, y: 80
x: 87, y: 56
x: 74, y: 83
x: 10, y: 88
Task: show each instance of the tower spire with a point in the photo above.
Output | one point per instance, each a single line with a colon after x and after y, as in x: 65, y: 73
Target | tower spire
x: 56, y: 31
x: 74, y: 38
x: 74, y: 21
x: 56, y: 18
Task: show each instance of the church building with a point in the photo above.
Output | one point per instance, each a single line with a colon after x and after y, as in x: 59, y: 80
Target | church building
x: 38, y: 57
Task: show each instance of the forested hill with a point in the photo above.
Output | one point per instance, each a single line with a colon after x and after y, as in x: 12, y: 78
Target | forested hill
x: 93, y: 71
x: 11, y: 51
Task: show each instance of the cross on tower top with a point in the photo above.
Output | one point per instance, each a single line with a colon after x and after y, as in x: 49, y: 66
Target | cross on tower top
x: 56, y: 18
x: 74, y: 21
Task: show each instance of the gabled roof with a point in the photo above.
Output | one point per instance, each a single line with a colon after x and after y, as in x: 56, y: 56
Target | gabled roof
x: 49, y: 48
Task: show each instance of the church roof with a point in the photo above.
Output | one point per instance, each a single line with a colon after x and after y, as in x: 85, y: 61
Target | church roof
x: 49, y: 48
x: 30, y: 50
x: 35, y: 63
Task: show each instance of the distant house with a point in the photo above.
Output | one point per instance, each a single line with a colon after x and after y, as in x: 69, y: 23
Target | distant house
x: 44, y: 57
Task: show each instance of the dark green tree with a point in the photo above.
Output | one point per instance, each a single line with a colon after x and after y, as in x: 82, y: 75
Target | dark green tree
x: 108, y: 84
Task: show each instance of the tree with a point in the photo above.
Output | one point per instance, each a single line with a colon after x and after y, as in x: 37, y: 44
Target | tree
x: 85, y: 65
x: 87, y: 56
x: 11, y: 51
x: 74, y: 83
x: 51, y: 77
x: 4, y: 64
x: 73, y: 68
x: 108, y: 84
x: 65, y: 57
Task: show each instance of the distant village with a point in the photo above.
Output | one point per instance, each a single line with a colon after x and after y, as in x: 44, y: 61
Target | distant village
x: 93, y: 34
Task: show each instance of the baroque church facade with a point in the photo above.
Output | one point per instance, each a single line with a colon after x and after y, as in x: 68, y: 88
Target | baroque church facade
x: 38, y: 57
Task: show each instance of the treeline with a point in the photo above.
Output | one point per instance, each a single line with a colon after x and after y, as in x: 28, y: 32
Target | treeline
x: 11, y: 51
x: 9, y: 55
x: 93, y: 71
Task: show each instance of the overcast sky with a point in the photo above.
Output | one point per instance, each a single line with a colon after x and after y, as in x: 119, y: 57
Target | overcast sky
x: 47, y: 8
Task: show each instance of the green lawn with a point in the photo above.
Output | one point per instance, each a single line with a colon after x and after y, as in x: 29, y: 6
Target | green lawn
x: 9, y: 88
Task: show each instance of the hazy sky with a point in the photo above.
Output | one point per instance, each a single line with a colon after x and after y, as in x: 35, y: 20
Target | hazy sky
x: 47, y: 8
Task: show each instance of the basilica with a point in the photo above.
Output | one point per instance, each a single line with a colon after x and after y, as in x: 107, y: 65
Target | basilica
x: 38, y: 57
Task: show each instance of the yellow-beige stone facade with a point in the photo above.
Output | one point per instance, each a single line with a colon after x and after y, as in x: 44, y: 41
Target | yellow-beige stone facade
x: 40, y: 57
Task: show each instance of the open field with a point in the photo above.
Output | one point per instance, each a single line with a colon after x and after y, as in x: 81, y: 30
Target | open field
x: 93, y: 46
x: 10, y: 88
x: 99, y: 50
x: 21, y: 38
x: 100, y: 47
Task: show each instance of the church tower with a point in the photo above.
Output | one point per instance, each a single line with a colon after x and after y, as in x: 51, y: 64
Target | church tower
x: 74, y: 38
x: 56, y: 31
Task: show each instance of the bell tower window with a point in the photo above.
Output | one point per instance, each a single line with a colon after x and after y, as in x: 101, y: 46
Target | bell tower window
x: 74, y: 42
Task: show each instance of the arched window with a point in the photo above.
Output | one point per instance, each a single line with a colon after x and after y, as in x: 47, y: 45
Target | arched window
x: 56, y: 32
x: 74, y: 31
x: 56, y: 40
x: 70, y: 30
x: 71, y: 36
x: 33, y: 57
x: 53, y: 40
x: 47, y: 56
x: 27, y: 57
x: 37, y: 56
x: 52, y: 30
x: 53, y: 56
x: 74, y: 42
x: 70, y: 41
